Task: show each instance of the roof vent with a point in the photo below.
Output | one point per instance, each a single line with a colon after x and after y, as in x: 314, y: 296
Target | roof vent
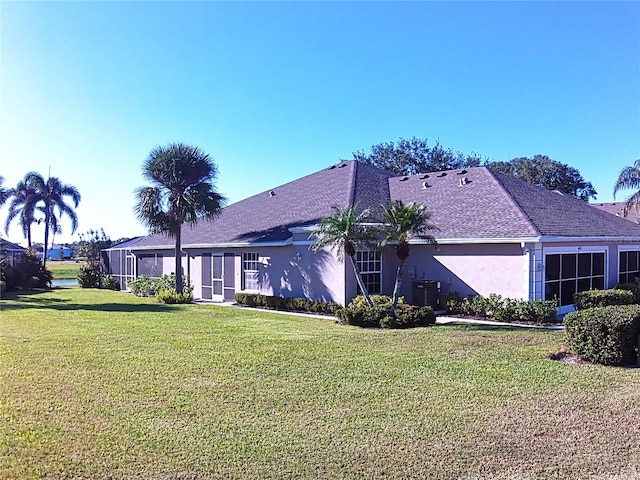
x: 443, y: 174
x: 404, y: 179
x: 425, y: 185
x: 272, y: 193
x: 331, y: 167
x: 462, y: 172
x: 426, y: 175
x: 464, y: 181
x: 343, y: 165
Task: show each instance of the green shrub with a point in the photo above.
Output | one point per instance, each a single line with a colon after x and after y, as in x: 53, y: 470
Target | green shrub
x: 110, y: 283
x: 363, y: 316
x: 145, y: 286
x: 605, y: 335
x: 632, y: 287
x: 361, y: 301
x: 171, y: 296
x: 502, y: 309
x: 602, y: 298
x: 275, y: 302
x: 89, y: 276
x: 29, y: 272
x: 378, y: 316
x: 296, y: 304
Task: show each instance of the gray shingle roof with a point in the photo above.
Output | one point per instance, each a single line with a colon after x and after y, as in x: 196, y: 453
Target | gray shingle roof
x: 267, y: 216
x: 467, y: 204
x: 617, y: 209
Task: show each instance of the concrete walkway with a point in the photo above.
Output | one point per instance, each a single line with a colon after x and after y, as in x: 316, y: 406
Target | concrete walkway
x: 440, y: 319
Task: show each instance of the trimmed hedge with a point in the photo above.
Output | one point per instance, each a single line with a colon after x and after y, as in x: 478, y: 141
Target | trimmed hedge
x: 605, y: 335
x: 358, y: 313
x: 296, y: 304
x: 602, y: 298
x: 500, y: 309
x: 632, y: 287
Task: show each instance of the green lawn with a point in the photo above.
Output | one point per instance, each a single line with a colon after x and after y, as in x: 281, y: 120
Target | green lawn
x: 64, y: 270
x: 100, y: 384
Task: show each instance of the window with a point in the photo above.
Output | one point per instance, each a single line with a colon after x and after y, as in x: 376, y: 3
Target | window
x: 629, y: 266
x: 370, y: 266
x: 150, y: 265
x: 250, y: 271
x: 568, y: 273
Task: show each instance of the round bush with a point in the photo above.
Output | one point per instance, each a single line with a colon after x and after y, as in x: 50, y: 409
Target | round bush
x: 605, y: 335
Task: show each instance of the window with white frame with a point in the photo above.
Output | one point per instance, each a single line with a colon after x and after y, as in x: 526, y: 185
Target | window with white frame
x: 568, y: 273
x: 250, y: 271
x: 370, y: 266
x: 628, y: 266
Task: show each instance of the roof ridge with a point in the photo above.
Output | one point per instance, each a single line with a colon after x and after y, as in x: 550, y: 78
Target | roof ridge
x: 511, y: 199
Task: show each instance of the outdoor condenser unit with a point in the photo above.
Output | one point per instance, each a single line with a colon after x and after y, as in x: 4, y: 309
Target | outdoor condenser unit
x: 426, y: 293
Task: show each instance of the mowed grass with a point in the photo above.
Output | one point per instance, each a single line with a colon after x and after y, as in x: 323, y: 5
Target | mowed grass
x: 99, y: 384
x: 64, y: 269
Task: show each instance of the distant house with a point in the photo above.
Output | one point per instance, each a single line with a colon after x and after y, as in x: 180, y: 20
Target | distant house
x: 497, y: 234
x: 11, y: 252
x: 59, y: 252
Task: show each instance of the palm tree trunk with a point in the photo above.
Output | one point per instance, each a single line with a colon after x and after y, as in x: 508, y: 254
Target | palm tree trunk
x: 46, y: 236
x: 178, y: 253
x: 396, y: 288
x: 361, y: 284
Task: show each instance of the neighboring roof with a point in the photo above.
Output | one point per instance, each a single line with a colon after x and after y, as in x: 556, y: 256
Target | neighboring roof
x: 6, y: 245
x: 617, y: 209
x: 127, y: 243
x: 475, y: 203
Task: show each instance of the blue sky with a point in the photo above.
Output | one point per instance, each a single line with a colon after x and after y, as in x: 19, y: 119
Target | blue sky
x: 277, y: 90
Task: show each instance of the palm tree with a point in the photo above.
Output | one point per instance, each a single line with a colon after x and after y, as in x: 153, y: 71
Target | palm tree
x: 24, y: 199
x: 51, y: 193
x: 182, y: 191
x: 5, y: 193
x: 628, y: 178
x: 400, y: 223
x: 344, y: 231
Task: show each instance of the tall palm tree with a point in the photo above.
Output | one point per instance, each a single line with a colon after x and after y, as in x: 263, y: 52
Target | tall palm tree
x: 344, y: 231
x: 51, y: 194
x: 400, y: 223
x: 629, y: 178
x: 23, y: 205
x: 182, y: 191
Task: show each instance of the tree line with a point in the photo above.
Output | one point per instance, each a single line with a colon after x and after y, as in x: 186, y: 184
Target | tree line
x: 414, y: 155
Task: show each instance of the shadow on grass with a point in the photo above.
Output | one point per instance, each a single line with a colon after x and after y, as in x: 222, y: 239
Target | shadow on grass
x: 477, y: 327
x: 32, y: 299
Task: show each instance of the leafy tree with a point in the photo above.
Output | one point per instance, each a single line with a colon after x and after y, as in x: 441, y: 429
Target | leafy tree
x: 545, y: 172
x: 344, y: 231
x: 23, y: 206
x: 629, y: 178
x: 91, y: 245
x: 400, y: 223
x: 182, y: 191
x: 51, y: 194
x: 414, y: 155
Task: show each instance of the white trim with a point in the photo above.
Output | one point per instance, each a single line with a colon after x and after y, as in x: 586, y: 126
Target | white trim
x: 466, y: 241
x: 628, y: 248
x: 577, y: 249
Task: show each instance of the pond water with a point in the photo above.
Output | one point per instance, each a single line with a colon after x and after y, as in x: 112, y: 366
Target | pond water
x: 64, y: 283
